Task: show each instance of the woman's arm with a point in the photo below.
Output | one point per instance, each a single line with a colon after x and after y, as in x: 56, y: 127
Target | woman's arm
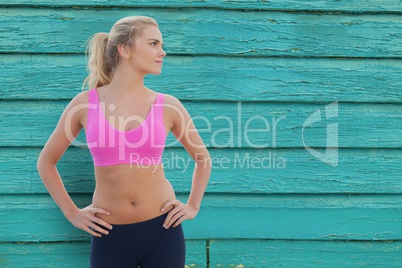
x: 185, y: 131
x: 68, y: 127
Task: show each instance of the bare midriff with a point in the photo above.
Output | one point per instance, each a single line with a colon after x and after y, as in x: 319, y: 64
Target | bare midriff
x: 131, y: 193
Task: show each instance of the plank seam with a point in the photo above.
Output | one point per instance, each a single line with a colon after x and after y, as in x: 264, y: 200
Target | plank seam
x: 312, y: 240
x: 210, y: 7
x: 207, y: 254
x: 394, y: 148
x: 232, y: 55
x: 84, y: 241
x: 223, y: 195
x: 227, y: 148
x: 218, y: 101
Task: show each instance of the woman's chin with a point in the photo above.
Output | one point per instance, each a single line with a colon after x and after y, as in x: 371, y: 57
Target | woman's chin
x: 155, y: 72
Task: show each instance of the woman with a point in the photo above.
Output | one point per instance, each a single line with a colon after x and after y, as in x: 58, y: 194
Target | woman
x: 135, y: 218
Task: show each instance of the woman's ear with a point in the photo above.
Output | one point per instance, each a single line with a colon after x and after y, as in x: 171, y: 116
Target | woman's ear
x: 124, y: 51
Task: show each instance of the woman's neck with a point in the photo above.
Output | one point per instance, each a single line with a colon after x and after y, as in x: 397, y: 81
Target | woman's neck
x: 125, y: 83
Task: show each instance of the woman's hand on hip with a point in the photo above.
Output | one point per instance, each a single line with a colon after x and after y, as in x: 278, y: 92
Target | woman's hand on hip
x: 179, y: 213
x: 86, y: 220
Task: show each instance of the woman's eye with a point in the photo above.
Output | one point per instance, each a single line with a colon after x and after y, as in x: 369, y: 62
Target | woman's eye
x: 153, y: 43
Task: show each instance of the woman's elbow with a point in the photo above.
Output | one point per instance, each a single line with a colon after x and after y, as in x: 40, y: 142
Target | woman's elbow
x: 40, y: 162
x: 43, y: 162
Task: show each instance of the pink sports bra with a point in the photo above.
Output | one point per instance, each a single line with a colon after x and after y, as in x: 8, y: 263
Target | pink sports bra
x: 142, y: 145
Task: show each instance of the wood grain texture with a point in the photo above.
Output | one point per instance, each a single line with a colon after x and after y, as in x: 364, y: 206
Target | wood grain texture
x: 231, y: 216
x: 75, y: 254
x: 220, y: 32
x: 69, y: 255
x: 236, y: 124
x: 290, y: 253
x: 289, y: 5
x: 269, y: 59
x: 211, y: 79
x: 234, y: 171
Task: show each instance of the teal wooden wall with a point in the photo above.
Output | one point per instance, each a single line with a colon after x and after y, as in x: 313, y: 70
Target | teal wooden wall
x: 227, y: 61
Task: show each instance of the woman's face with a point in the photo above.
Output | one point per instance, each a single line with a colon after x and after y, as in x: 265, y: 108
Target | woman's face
x: 147, y: 55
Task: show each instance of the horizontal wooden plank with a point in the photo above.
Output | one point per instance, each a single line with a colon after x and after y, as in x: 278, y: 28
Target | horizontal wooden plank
x: 274, y: 253
x: 74, y: 255
x: 313, y: 5
x: 234, y: 171
x: 295, y: 217
x: 203, y: 78
x: 218, y: 32
x: 239, y: 124
x: 322, y: 217
x: 44, y: 255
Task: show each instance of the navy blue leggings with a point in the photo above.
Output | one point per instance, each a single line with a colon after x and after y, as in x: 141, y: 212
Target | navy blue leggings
x: 144, y: 244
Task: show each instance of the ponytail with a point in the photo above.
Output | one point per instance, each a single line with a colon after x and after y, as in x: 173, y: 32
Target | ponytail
x: 99, y: 72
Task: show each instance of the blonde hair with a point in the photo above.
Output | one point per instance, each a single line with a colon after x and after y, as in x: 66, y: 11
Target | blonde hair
x: 102, y: 53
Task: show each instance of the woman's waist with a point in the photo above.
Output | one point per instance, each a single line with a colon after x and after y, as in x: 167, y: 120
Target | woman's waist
x: 130, y: 213
x: 132, y: 205
x: 128, y: 197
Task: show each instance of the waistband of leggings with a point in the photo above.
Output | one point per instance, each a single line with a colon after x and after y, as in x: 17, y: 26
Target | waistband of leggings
x: 158, y: 219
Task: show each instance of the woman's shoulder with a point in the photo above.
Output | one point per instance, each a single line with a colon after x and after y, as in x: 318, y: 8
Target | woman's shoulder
x: 177, y: 109
x: 79, y: 101
x: 81, y: 98
x: 172, y: 100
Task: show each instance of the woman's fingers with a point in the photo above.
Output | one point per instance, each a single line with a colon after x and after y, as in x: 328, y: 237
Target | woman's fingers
x: 87, y: 220
x: 101, y: 222
x: 175, y: 216
x: 172, y: 218
x: 179, y: 220
x: 96, y: 223
x: 99, y: 211
x: 92, y: 232
x: 169, y: 203
x: 97, y: 228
